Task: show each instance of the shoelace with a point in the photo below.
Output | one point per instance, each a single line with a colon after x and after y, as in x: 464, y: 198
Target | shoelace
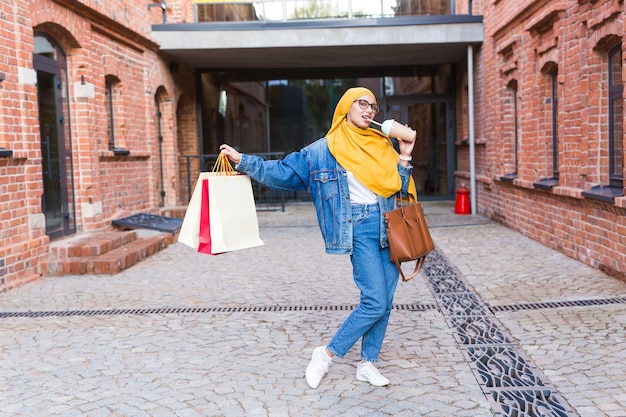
x: 369, y: 368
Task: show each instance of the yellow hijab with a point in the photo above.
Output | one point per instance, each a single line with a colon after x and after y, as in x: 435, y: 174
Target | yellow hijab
x: 367, y: 153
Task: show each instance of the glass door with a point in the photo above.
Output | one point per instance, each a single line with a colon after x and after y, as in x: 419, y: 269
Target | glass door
x: 433, y: 154
x: 56, y: 158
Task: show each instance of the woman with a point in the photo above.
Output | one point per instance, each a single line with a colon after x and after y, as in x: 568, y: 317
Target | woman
x: 352, y: 175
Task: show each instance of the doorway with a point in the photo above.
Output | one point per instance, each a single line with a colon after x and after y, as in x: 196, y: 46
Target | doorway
x: 57, y: 201
x: 433, y: 154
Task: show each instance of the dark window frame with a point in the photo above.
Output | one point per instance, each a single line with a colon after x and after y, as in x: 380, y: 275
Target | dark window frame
x: 615, y: 93
x: 553, y: 181
x: 512, y: 176
x: 615, y: 188
x: 110, y: 84
x: 515, y: 131
x: 555, y: 125
x: 110, y: 113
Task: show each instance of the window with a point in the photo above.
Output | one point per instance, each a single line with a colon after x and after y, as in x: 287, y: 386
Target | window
x: 515, y: 130
x: 111, y: 86
x: 510, y: 129
x: 555, y: 130
x: 615, y: 187
x: 616, y: 128
x: 110, y: 117
x: 553, y: 149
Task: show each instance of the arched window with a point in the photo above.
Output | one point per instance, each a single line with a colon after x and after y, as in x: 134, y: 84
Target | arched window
x: 510, y: 131
x: 44, y: 47
x: 551, y: 94
x: 110, y: 87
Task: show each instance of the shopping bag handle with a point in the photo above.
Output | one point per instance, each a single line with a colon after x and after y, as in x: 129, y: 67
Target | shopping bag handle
x: 222, y: 165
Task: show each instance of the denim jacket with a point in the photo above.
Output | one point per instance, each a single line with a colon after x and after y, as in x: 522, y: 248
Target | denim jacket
x: 315, y: 170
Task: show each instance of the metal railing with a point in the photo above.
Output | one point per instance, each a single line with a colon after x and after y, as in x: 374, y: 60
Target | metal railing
x: 289, y: 10
x: 265, y: 198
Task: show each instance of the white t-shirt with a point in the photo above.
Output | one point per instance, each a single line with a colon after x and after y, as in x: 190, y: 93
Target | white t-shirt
x: 359, y: 194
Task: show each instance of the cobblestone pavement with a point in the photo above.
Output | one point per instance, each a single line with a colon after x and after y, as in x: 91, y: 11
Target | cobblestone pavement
x: 186, y: 334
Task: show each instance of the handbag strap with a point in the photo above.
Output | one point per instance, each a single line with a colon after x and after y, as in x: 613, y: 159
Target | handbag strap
x: 419, y: 263
x: 403, y: 201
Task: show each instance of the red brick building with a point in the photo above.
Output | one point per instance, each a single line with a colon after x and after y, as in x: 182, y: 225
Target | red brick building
x: 84, y: 102
x: 550, y: 138
x: 96, y: 118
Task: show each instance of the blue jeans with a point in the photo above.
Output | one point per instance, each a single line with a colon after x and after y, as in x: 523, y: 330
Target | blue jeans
x: 377, y: 277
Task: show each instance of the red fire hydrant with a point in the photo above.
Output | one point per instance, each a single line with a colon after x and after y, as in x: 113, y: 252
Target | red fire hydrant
x: 462, y: 201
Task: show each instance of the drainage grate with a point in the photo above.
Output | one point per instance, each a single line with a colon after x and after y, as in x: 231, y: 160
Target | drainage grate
x: 150, y: 221
x: 559, y: 304
x: 447, y: 284
x: 478, y: 331
x: 435, y: 257
x: 503, y: 367
x: 198, y: 310
x: 438, y: 269
x: 513, y: 386
x: 531, y: 403
x: 462, y: 304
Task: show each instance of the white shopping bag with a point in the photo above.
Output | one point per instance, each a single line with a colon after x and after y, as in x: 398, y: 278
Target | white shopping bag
x: 221, y: 216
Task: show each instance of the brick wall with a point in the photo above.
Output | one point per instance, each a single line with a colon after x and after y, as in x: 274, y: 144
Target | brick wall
x: 103, y: 41
x: 22, y: 232
x: 525, y: 42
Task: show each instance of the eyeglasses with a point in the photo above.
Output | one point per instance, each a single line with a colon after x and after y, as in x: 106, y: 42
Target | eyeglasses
x: 364, y: 104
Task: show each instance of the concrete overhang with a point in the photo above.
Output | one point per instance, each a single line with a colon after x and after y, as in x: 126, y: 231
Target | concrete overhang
x: 390, y: 42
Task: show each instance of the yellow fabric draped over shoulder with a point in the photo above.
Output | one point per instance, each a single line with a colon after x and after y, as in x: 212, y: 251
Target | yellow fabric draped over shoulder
x: 367, y: 153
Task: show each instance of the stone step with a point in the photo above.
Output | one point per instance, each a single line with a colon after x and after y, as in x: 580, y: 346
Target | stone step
x: 91, y: 244
x: 104, y: 254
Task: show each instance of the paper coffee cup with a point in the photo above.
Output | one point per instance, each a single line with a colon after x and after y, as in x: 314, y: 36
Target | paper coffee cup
x: 396, y: 130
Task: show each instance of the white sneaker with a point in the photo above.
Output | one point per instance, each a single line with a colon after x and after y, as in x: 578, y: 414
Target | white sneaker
x: 367, y: 372
x: 318, y: 367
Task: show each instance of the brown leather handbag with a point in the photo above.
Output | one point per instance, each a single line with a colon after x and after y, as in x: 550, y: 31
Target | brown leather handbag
x: 408, y: 235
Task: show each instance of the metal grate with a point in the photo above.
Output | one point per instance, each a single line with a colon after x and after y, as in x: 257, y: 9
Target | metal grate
x: 531, y: 403
x: 441, y: 268
x: 478, y: 331
x: 435, y: 257
x: 448, y: 284
x: 462, y: 304
x: 503, y: 367
x: 150, y: 221
x: 513, y: 386
x: 198, y: 310
x: 559, y: 304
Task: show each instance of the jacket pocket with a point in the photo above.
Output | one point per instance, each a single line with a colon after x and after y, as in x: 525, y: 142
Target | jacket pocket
x: 327, y: 183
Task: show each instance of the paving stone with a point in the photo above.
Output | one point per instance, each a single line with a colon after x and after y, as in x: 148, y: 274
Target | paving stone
x: 251, y: 362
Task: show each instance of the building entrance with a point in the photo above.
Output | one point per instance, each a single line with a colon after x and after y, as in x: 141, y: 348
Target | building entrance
x: 433, y: 154
x: 57, y: 202
x: 291, y: 113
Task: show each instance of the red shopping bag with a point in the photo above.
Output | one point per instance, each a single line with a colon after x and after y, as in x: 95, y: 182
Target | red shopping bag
x: 204, y: 235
